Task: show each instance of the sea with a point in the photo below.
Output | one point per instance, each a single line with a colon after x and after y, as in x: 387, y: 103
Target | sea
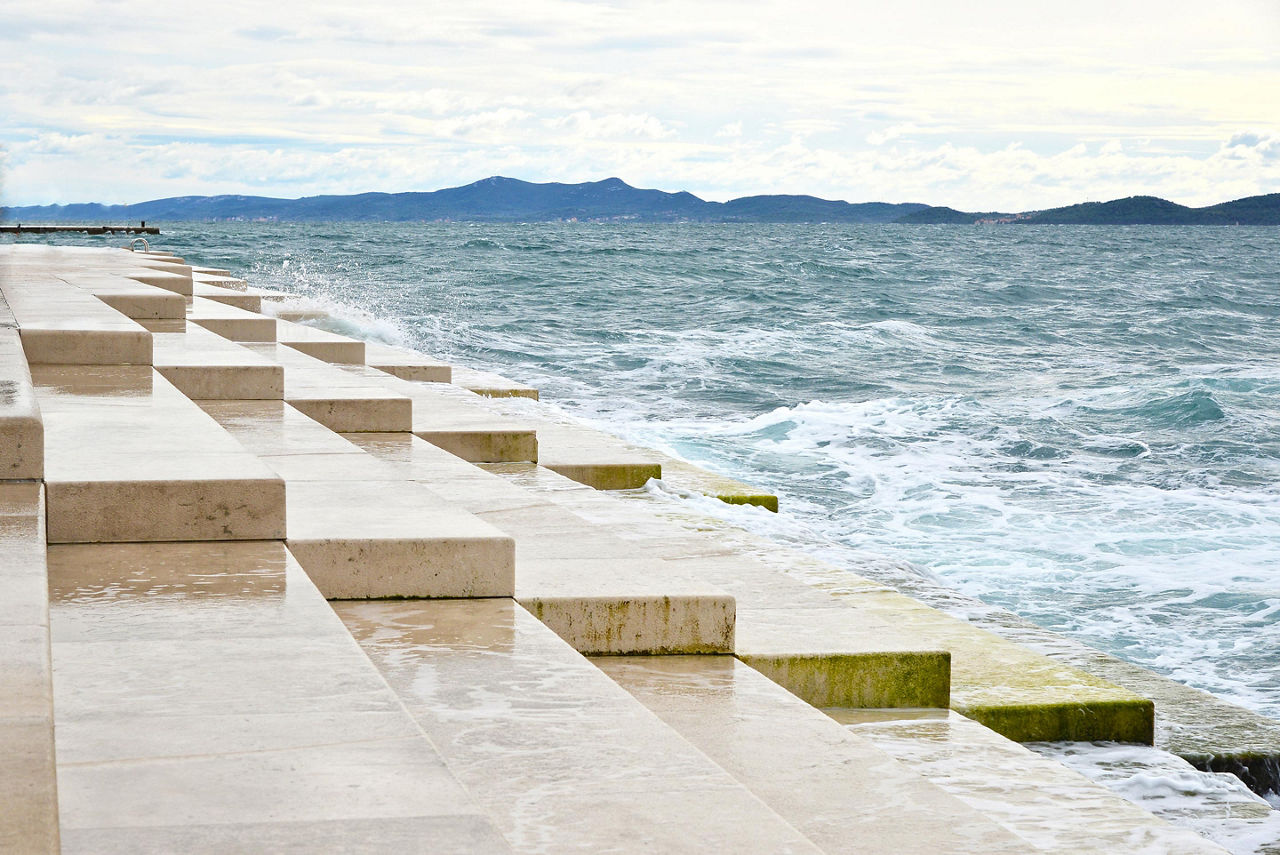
x: 1079, y: 424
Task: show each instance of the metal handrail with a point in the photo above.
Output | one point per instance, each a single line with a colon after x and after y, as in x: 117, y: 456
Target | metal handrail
x: 146, y: 247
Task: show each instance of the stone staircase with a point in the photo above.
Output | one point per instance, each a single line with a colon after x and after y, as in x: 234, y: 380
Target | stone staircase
x: 183, y: 493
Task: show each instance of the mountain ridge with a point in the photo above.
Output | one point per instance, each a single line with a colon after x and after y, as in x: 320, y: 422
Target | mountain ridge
x: 501, y: 199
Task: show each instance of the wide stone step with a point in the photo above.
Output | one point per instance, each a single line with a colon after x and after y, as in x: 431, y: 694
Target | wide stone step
x: 843, y: 793
x: 559, y: 756
x: 491, y: 385
x: 203, y: 364
x: 335, y: 398
x: 321, y: 344
x: 208, y: 700
x: 60, y: 323
x: 598, y: 592
x: 450, y: 418
x: 230, y: 322
x: 172, y: 277
x: 130, y: 458
x: 229, y: 296
x: 406, y: 364
x: 28, y: 779
x: 1051, y: 806
x: 131, y: 298
x: 361, y: 529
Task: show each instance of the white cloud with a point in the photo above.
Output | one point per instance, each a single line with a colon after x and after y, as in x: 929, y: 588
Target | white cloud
x: 974, y: 106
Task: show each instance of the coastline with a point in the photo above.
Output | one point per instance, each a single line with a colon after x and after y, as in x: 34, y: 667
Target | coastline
x: 320, y: 438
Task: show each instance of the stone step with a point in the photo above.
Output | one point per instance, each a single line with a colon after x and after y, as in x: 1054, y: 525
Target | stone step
x: 228, y: 281
x: 450, y: 418
x: 596, y: 591
x: 335, y: 398
x: 559, y: 756
x: 230, y: 322
x: 268, y: 295
x: 240, y: 299
x: 210, y: 271
x: 295, y: 314
x: 21, y: 427
x: 60, y: 323
x: 175, y: 278
x: 491, y: 385
x: 203, y: 364
x: 606, y: 462
x: 406, y: 364
x: 321, y: 344
x: 130, y: 458
x: 208, y: 700
x: 130, y: 298
x: 1051, y: 806
x: 789, y: 603
x: 829, y: 783
x: 361, y: 529
x: 28, y: 778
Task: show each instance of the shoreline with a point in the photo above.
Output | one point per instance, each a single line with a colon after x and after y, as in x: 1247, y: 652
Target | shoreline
x: 351, y: 454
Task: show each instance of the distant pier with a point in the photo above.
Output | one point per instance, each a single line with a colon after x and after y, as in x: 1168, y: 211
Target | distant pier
x: 20, y: 229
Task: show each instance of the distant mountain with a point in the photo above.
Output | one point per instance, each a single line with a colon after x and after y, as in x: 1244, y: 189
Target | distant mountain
x: 491, y: 200
x: 1133, y: 211
x: 510, y: 200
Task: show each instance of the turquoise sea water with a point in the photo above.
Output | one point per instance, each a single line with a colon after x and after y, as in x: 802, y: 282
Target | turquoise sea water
x: 1079, y: 424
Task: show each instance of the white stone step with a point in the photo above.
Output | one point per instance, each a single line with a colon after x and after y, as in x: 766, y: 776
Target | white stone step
x: 60, y: 323
x: 28, y: 780
x: 240, y: 299
x: 130, y: 298
x: 321, y: 344
x: 203, y: 364
x: 130, y: 458
x: 842, y: 792
x: 406, y: 364
x: 1051, y: 806
x: 563, y: 759
x: 361, y: 529
x: 599, y: 593
x: 208, y: 700
x: 491, y: 385
x: 452, y: 419
x: 339, y: 400
x: 230, y: 322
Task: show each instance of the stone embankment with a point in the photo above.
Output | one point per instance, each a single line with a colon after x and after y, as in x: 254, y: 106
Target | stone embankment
x: 275, y: 589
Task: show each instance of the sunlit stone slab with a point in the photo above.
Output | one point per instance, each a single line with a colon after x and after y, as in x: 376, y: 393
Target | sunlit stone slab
x: 544, y: 740
x: 239, y: 299
x: 208, y: 697
x: 406, y: 364
x: 130, y: 458
x: 28, y: 785
x: 321, y: 344
x: 230, y: 322
x: 228, y: 281
x: 361, y: 529
x: 1053, y: 808
x: 203, y: 364
x: 209, y: 271
x: 452, y: 419
x: 599, y: 593
x: 339, y: 400
x: 490, y: 385
x: 21, y: 427
x: 843, y: 793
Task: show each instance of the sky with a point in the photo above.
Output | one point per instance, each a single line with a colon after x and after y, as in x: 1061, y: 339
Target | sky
x: 978, y: 105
